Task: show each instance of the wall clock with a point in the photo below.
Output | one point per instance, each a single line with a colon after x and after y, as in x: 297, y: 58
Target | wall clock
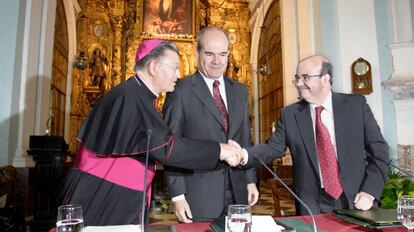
x: 361, y: 77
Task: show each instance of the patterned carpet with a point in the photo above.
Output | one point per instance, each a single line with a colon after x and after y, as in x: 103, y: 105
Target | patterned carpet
x: 264, y: 206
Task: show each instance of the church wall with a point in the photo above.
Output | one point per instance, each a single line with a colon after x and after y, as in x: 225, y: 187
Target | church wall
x: 358, y: 38
x: 365, y: 34
x: 329, y: 37
x: 9, y: 17
x: 384, y: 35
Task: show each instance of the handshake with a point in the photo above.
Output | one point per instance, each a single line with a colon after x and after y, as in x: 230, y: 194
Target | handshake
x: 232, y: 153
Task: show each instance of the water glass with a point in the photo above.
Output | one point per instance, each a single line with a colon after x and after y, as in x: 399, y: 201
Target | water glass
x: 69, y: 218
x: 239, y: 218
x: 405, y: 211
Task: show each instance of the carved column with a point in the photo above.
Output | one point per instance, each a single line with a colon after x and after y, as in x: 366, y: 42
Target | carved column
x: 117, y: 19
x: 118, y: 24
x: 234, y: 17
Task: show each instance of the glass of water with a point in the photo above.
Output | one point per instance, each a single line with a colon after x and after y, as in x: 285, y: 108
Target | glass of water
x: 239, y: 218
x: 69, y: 218
x: 405, y: 211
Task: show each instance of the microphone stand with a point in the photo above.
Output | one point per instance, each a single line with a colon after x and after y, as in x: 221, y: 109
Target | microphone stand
x: 144, y: 195
x: 286, y: 187
x: 392, y: 165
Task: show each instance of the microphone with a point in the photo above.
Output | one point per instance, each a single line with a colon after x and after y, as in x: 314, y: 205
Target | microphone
x: 286, y: 187
x: 144, y: 195
x: 392, y: 165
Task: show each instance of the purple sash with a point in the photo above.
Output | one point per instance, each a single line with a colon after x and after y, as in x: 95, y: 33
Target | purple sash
x: 123, y: 171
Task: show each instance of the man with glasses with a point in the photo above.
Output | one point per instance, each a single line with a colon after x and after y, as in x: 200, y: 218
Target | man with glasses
x: 339, y: 154
x: 207, y: 105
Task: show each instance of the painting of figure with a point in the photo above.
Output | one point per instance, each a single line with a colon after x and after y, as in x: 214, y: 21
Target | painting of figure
x: 161, y: 17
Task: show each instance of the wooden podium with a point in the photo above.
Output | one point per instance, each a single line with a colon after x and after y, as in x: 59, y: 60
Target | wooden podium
x: 49, y: 153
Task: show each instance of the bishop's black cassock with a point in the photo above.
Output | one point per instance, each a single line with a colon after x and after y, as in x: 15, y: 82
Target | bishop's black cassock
x: 107, y: 179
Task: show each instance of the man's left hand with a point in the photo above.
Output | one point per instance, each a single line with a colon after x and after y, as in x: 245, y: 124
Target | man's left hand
x: 252, y: 194
x: 363, y: 201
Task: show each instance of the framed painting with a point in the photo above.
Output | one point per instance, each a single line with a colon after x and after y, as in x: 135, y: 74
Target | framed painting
x: 169, y: 19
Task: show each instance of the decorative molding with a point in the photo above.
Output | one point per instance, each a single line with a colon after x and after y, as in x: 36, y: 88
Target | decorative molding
x: 409, y: 44
x: 402, y: 88
x: 21, y: 159
x: 405, y: 157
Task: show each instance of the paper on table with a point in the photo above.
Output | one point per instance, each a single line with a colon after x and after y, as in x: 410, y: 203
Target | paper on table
x: 262, y: 223
x: 120, y: 228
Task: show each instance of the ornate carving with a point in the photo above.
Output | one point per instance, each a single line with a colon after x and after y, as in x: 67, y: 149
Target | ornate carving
x: 98, y: 65
x: 93, y: 93
x: 115, y: 27
x: 402, y: 88
x: 406, y: 157
x: 118, y: 23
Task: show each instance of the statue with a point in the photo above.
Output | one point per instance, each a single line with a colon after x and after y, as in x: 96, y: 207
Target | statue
x: 98, y: 65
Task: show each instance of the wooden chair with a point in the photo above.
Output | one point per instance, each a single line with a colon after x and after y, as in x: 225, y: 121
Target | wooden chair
x: 278, y: 191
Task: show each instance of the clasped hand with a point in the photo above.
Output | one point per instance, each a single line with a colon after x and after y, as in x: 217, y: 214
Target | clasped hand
x: 231, y: 152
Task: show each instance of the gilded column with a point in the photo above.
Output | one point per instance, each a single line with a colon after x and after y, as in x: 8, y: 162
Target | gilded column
x: 117, y: 19
x: 118, y: 24
x: 233, y: 17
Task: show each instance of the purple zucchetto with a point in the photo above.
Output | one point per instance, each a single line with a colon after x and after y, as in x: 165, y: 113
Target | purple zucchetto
x: 146, y: 47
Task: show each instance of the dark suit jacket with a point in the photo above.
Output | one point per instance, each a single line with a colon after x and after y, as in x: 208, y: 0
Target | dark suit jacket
x: 190, y: 111
x: 356, y: 132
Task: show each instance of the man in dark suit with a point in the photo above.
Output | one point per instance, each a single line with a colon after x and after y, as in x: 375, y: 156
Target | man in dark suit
x: 209, y: 106
x: 335, y: 142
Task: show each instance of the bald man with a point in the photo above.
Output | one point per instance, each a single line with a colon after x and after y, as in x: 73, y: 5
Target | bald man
x: 333, y: 138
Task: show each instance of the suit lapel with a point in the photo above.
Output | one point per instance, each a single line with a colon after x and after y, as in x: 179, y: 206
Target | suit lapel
x: 233, y: 105
x: 341, y: 128
x: 201, y: 90
x: 304, y: 123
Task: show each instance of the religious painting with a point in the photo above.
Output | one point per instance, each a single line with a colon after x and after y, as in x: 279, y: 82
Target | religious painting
x: 168, y: 19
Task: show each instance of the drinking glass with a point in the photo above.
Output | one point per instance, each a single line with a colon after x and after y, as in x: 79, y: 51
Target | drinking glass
x: 239, y: 218
x: 69, y: 218
x: 405, y: 211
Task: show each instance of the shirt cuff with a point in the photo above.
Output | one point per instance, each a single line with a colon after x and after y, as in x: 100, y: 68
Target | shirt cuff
x: 245, y: 157
x: 369, y: 195
x: 178, y: 198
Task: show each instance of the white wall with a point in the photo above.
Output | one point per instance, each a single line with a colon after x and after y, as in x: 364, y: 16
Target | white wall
x: 31, y: 77
x: 357, y: 38
x: 9, y: 19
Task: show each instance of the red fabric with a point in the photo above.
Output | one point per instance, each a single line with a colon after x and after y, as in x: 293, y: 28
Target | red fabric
x: 325, y: 222
x: 220, y: 105
x: 329, y: 222
x: 194, y: 227
x: 327, y: 158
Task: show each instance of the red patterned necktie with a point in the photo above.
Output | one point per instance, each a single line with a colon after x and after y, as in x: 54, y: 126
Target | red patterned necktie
x: 220, y: 105
x: 327, y: 158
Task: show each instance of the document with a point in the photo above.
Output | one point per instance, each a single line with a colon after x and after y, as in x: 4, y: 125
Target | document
x: 120, y: 228
x: 263, y: 223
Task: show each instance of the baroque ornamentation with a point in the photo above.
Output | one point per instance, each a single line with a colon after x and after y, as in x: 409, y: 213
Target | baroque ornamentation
x: 115, y: 28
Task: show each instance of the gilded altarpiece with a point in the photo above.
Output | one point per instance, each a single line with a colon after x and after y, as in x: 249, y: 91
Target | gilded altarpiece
x: 109, y: 32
